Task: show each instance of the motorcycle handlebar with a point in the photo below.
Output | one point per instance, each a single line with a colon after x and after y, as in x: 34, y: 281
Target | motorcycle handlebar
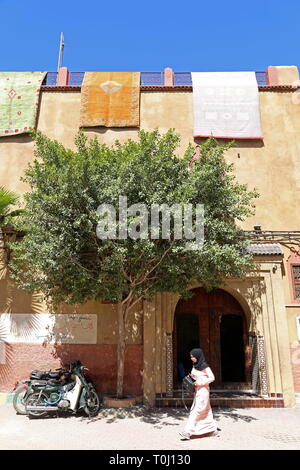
x: 72, y: 365
x: 62, y: 370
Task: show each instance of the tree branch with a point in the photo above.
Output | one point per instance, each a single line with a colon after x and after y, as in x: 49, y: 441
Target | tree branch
x: 154, y: 267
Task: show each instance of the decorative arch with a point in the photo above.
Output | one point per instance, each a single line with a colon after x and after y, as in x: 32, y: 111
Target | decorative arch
x: 248, y: 300
x: 175, y: 298
x: 216, y: 322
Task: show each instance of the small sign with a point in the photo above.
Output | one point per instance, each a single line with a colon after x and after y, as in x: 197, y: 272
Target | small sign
x: 49, y: 328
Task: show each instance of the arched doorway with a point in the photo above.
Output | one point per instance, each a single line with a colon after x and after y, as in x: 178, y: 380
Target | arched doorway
x: 232, y: 348
x: 216, y: 322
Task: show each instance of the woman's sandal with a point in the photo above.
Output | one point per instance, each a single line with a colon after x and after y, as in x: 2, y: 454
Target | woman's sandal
x: 184, y: 436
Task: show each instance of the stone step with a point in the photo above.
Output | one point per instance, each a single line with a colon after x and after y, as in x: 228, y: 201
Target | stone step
x: 224, y: 402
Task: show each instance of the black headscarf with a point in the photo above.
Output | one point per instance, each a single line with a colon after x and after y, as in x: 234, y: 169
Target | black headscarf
x: 201, y: 363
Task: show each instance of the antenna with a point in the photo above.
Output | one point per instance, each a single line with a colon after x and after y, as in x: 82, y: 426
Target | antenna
x: 61, y: 50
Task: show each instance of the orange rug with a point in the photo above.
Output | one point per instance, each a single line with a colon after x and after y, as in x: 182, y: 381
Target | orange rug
x: 110, y: 99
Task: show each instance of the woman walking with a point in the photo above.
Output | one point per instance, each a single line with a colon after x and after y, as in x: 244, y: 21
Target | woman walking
x: 200, y: 420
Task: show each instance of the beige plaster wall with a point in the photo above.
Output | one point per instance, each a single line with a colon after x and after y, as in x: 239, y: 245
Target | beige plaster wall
x: 262, y: 298
x: 287, y: 75
x: 292, y: 310
x: 271, y: 165
x: 13, y: 300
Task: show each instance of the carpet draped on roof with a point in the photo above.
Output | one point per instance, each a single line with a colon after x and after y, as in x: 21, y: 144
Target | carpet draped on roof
x: 226, y: 105
x: 110, y: 99
x: 19, y: 101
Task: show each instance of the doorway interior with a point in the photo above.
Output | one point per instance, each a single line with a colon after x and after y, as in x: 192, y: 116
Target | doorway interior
x: 215, y: 322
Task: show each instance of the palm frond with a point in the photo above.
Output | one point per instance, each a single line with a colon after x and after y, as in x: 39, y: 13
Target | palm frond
x: 8, y: 199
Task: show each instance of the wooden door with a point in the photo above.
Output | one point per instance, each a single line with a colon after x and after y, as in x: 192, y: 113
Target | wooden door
x: 210, y: 308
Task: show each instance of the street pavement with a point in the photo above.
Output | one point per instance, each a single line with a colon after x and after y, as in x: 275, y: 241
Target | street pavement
x: 157, y: 429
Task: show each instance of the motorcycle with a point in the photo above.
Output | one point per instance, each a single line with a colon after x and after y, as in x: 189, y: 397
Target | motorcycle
x: 21, y: 388
x: 75, y: 393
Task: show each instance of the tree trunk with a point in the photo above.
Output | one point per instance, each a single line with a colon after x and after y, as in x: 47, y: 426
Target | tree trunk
x: 3, y: 250
x: 121, y: 309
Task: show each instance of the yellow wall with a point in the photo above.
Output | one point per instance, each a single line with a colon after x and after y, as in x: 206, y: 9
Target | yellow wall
x: 287, y: 75
x: 13, y: 300
x: 271, y: 165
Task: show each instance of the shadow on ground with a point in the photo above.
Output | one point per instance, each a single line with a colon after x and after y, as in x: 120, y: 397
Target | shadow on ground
x: 233, y: 414
x: 161, y: 416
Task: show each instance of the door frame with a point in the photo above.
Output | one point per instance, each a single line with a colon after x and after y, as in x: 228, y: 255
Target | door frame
x: 211, y: 342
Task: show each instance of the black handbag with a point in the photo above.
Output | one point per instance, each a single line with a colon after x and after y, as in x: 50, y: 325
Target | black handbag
x: 188, y: 383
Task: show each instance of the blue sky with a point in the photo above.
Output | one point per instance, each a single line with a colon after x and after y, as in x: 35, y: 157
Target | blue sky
x: 133, y: 35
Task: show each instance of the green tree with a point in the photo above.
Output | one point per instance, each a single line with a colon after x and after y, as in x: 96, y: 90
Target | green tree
x: 66, y: 260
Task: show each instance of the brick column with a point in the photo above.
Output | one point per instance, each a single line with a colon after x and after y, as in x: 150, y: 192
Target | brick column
x: 62, y: 77
x: 282, y: 75
x: 168, y: 77
x: 272, y: 76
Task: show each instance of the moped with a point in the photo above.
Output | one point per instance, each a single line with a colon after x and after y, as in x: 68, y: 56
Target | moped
x: 22, y: 387
x: 75, y: 393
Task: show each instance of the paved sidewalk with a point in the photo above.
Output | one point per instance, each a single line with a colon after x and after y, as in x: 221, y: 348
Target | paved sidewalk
x: 139, y: 429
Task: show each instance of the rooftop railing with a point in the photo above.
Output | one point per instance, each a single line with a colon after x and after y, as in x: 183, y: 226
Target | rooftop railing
x: 147, y: 78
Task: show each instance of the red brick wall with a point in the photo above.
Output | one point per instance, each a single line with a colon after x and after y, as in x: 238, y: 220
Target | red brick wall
x: 22, y: 358
x: 295, y: 359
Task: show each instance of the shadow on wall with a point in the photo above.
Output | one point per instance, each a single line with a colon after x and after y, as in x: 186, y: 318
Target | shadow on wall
x: 113, y: 130
x: 17, y: 139
x: 239, y: 143
x: 91, y: 338
x: 252, y: 306
x: 251, y: 302
x: 13, y: 305
x: 101, y: 360
x: 26, y: 345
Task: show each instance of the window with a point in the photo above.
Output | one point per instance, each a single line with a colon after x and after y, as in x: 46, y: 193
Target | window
x: 293, y: 271
x: 296, y: 281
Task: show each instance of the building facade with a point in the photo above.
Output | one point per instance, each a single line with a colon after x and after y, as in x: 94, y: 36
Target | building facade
x: 249, y: 330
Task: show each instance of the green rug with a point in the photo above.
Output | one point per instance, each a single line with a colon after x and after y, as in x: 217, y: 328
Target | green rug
x: 19, y: 101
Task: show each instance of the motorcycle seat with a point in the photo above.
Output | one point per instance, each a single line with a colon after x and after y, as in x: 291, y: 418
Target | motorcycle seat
x: 40, y: 383
x: 54, y: 375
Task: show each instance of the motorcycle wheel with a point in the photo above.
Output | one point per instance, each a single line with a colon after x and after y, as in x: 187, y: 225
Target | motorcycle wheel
x: 92, y: 403
x: 19, y: 400
x: 34, y: 400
